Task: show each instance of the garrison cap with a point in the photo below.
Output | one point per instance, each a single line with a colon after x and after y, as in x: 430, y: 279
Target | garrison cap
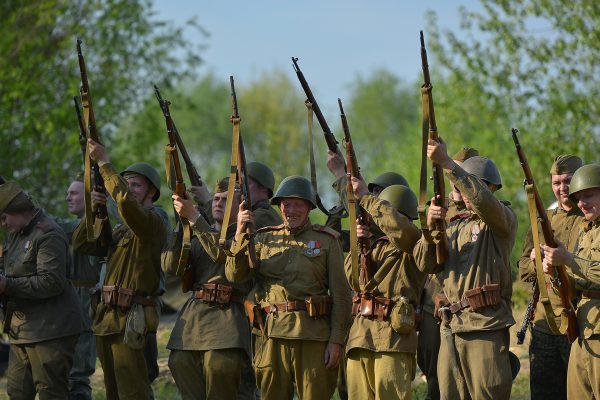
x: 565, y: 164
x: 464, y: 154
x: 222, y: 185
x: 8, y: 191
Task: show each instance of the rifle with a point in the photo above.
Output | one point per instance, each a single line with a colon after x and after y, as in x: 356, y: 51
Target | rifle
x: 91, y: 133
x: 561, y: 277
x: 439, y: 188
x: 353, y: 170
x: 238, y: 172
x: 82, y: 134
x: 173, y: 168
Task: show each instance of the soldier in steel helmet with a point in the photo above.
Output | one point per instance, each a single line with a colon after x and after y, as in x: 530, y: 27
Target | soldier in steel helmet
x: 382, y: 342
x: 133, y: 271
x: 428, y: 345
x: 261, y: 183
x: 211, y: 337
x: 583, y: 375
x: 476, y: 312
x: 548, y: 350
x: 301, y: 289
x: 42, y: 314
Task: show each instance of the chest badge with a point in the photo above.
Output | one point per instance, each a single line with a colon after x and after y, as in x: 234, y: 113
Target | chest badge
x: 27, y: 244
x: 313, y: 247
x: 475, y: 232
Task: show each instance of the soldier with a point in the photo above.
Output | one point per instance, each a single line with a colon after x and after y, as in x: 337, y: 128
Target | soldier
x: 583, y: 375
x: 382, y: 341
x: 261, y: 183
x: 301, y: 287
x: 549, y: 351
x: 84, y: 275
x: 428, y: 345
x: 128, y: 308
x: 474, y: 351
x: 42, y: 314
x: 210, y: 340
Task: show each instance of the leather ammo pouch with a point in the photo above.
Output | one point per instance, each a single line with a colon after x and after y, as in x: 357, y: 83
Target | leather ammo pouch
x: 256, y: 315
x: 403, y: 316
x: 318, y: 306
x: 110, y: 295
x: 483, y: 297
x: 223, y: 294
x: 125, y: 298
x: 371, y: 307
x: 441, y: 303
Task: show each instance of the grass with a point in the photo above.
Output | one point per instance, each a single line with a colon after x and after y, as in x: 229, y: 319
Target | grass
x: 164, y: 387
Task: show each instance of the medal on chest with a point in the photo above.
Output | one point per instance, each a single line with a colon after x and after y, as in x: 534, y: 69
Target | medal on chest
x: 475, y: 232
x: 313, y: 248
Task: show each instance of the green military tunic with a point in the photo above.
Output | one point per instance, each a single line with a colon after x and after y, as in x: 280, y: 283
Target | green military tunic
x: 133, y: 263
x: 475, y: 344
x: 45, y: 312
x: 265, y: 215
x: 583, y: 380
x: 294, y: 266
x: 386, y: 369
x: 204, y: 332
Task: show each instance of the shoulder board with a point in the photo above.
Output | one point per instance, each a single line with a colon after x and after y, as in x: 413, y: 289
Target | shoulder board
x: 270, y: 228
x: 44, y: 225
x: 460, y: 216
x: 326, y: 229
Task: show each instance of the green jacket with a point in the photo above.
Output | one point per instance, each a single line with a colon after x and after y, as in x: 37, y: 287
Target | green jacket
x: 43, y: 303
x: 134, y: 254
x: 265, y: 215
x: 291, y: 269
x: 85, y: 269
x: 200, y: 326
x: 586, y: 265
x: 480, y: 246
x: 396, y: 275
x: 566, y: 228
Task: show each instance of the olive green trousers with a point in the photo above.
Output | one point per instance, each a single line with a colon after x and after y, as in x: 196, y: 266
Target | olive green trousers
x: 380, y: 375
x: 583, y: 374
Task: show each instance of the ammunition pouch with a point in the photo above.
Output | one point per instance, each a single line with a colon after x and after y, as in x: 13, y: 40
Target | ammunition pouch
x: 318, y: 306
x: 255, y: 314
x: 114, y: 296
x: 219, y: 294
x: 372, y: 307
x: 483, y: 297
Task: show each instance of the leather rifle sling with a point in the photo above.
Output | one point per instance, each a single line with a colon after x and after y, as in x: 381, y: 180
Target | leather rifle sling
x: 87, y: 178
x: 235, y: 154
x: 423, y: 174
x: 539, y: 271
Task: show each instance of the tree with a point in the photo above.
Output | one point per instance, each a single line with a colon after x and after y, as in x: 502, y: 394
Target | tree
x: 126, y: 49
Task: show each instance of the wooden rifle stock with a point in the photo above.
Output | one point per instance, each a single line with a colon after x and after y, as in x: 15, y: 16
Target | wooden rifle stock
x: 439, y: 187
x: 562, y: 279
x: 353, y: 170
x: 82, y: 137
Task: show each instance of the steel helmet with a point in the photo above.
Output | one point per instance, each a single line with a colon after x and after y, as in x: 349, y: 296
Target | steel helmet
x: 586, y: 177
x: 148, y: 172
x: 296, y: 187
x: 387, y: 179
x: 402, y: 199
x: 484, y: 169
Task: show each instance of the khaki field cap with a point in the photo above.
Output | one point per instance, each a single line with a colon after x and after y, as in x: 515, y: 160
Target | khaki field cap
x: 387, y: 179
x: 464, y: 154
x: 8, y: 191
x: 261, y: 174
x: 148, y: 172
x: 402, y: 199
x: 565, y: 164
x: 484, y: 169
x: 586, y: 177
x: 295, y: 187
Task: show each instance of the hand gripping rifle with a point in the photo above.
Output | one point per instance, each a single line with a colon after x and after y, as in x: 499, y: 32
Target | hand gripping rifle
x: 100, y: 213
x: 561, y: 279
x: 439, y: 189
x: 238, y: 172
x: 173, y: 170
x: 362, y: 269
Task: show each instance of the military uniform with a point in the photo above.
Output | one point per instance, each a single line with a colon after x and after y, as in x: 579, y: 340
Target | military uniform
x: 295, y: 266
x: 211, y: 337
x: 84, y: 275
x: 474, y: 350
x: 381, y: 360
x: 133, y: 264
x: 548, y: 351
x: 265, y: 215
x: 42, y: 311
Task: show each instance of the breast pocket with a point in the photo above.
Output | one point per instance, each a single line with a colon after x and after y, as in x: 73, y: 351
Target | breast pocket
x: 311, y: 271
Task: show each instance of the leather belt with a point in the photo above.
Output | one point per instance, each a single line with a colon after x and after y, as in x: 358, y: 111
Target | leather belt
x: 591, y: 294
x: 289, y: 306
x: 371, y: 307
x: 458, y: 306
x: 219, y: 293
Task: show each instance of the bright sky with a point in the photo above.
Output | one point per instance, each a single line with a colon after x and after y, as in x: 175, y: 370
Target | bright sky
x: 335, y: 40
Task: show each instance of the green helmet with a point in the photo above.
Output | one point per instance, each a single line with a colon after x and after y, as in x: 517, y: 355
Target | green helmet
x: 387, y: 179
x: 261, y: 174
x: 148, y: 172
x: 586, y: 177
x: 297, y: 187
x: 402, y: 199
x: 484, y: 169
